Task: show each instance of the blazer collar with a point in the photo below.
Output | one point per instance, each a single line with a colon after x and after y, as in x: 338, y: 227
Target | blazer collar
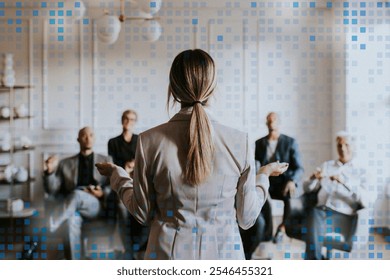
x: 185, y: 115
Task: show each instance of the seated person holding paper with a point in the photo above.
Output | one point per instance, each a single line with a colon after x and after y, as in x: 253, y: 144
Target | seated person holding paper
x: 342, y: 190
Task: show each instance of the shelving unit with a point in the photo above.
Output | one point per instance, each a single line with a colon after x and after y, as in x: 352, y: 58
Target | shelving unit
x: 13, y: 188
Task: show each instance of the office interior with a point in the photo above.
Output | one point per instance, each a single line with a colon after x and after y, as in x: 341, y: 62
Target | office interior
x: 323, y: 66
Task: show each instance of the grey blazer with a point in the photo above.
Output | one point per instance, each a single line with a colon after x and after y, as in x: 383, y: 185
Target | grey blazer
x: 190, y: 222
x: 62, y: 182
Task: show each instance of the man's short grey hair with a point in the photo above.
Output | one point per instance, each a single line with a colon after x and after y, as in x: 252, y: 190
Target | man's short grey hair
x: 349, y: 137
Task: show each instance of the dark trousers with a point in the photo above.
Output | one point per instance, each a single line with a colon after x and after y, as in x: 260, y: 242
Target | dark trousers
x: 259, y: 232
x: 321, y: 220
x: 134, y: 236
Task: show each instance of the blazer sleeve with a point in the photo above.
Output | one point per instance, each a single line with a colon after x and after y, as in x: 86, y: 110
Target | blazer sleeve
x: 137, y: 195
x: 252, y: 191
x: 295, y: 170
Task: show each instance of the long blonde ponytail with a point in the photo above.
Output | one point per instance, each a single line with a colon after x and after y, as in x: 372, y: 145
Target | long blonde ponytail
x: 191, y: 82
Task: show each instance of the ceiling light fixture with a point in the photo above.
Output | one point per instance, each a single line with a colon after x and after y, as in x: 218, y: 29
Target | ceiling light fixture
x: 109, y: 26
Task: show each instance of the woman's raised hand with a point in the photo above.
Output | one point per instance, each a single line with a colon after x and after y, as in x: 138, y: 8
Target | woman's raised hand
x: 273, y: 169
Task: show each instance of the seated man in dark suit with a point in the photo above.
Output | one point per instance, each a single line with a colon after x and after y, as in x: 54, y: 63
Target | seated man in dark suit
x: 80, y: 189
x: 271, y: 148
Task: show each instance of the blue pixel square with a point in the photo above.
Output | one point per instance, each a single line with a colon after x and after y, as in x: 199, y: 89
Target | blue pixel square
x: 219, y: 38
x: 68, y: 13
x: 362, y: 30
x: 77, y: 4
x: 345, y: 4
x: 2, y: 5
x: 10, y: 21
x: 312, y: 38
x: 18, y: 13
x: 363, y: 4
x: 329, y: 4
x: 295, y: 4
x: 153, y: 255
x: 152, y: 4
x: 26, y: 221
x: 169, y: 213
x: 312, y: 4
x: 18, y: 21
x: 194, y: 21
x: 287, y: 255
x: 363, y: 13
x: 27, y: 204
x: 253, y: 4
x: 43, y: 4
x: 354, y: 38
x: 379, y: 4
x: 354, y: 13
x: 354, y: 21
x: 18, y: 4
x: 346, y: 21
x: 52, y: 21
x: 371, y: 255
x: 60, y: 30
x: 35, y: 13
x: 345, y: 13
x: 52, y: 13
x: 60, y: 4
x: 60, y: 13
x: 61, y: 21
x: 237, y: 247
x: 85, y: 21
x: 387, y: 4
x: 1, y: 13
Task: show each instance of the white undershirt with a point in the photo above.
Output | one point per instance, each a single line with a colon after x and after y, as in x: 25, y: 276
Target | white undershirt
x: 271, y: 148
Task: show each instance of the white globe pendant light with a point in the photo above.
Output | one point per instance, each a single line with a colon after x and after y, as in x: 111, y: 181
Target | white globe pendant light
x: 108, y: 28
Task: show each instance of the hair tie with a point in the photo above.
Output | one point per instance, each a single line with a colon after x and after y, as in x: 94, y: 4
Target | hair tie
x: 197, y: 101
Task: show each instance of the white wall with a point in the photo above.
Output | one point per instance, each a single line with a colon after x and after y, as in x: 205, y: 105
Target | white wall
x: 266, y: 61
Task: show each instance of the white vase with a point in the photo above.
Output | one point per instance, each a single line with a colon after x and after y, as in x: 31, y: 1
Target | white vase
x: 8, y: 81
x: 21, y: 111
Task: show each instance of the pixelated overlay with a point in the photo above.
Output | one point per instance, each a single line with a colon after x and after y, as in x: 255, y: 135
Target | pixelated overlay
x: 322, y: 65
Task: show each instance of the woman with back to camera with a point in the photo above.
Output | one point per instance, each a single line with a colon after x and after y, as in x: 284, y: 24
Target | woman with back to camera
x: 194, y: 179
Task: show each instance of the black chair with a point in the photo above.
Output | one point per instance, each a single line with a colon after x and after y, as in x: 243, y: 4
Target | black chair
x: 296, y: 225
